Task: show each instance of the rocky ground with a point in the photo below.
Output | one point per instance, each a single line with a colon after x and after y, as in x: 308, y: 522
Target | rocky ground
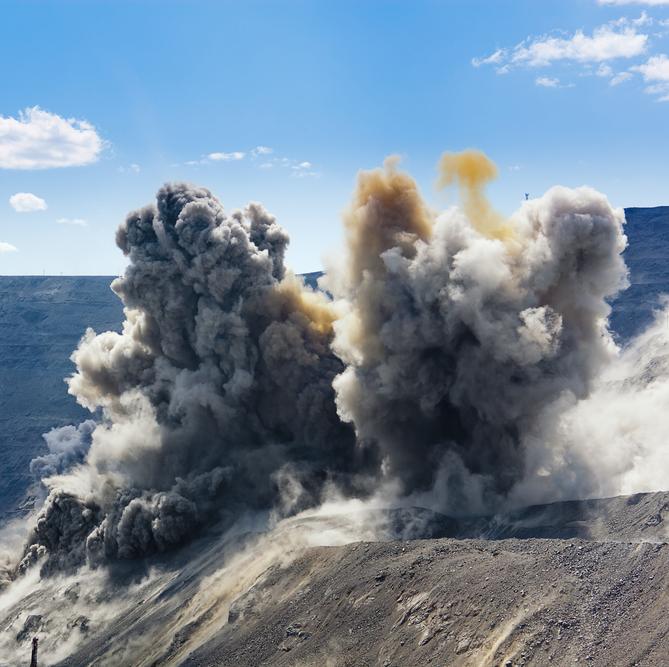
x: 563, y: 584
x: 451, y: 602
x: 535, y: 601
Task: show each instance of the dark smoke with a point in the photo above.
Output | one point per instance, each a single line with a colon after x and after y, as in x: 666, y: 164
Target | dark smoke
x: 461, y: 330
x: 218, y: 390
x: 233, y: 387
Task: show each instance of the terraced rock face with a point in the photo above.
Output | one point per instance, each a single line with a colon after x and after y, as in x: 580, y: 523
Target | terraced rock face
x: 647, y: 257
x: 41, y: 322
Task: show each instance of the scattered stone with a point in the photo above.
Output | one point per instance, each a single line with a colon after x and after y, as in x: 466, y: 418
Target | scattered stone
x: 30, y: 626
x: 463, y: 645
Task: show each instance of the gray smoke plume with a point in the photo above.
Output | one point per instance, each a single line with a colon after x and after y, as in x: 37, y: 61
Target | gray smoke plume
x: 463, y: 328
x: 67, y: 445
x: 217, y: 390
x: 449, y: 343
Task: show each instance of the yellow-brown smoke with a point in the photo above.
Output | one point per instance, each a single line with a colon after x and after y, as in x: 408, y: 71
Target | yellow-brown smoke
x: 387, y: 212
x: 290, y: 299
x: 472, y: 170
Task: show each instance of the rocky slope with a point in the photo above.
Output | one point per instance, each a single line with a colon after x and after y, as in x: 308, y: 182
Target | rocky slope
x: 311, y: 594
x: 456, y: 602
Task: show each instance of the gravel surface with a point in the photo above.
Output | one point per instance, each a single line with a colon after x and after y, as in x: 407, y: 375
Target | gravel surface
x: 456, y: 602
x: 563, y: 584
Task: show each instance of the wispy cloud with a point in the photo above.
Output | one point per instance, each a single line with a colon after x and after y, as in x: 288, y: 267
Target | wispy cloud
x: 655, y: 71
x: 548, y: 82
x: 131, y: 168
x: 263, y: 157
x: 615, y: 78
x: 261, y: 150
x: 298, y: 169
x: 495, y: 58
x: 226, y: 157
x: 605, y: 43
x: 7, y: 247
x: 619, y: 78
x: 595, y: 53
x: 27, y: 202
x: 218, y: 156
x: 304, y: 170
x: 78, y: 222
x: 38, y: 139
x: 618, y: 39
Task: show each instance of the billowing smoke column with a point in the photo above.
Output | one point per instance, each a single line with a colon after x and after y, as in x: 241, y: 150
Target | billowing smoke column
x: 450, y: 339
x: 462, y: 328
x: 217, y: 396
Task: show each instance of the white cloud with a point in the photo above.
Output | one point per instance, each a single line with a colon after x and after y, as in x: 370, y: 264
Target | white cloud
x: 226, y: 157
x: 619, y: 39
x: 261, y: 150
x: 79, y: 222
x: 655, y: 71
x: 38, y: 139
x: 270, y: 160
x: 615, y: 78
x: 133, y: 167
x: 306, y: 174
x: 217, y: 156
x: 26, y: 202
x: 644, y: 19
x: 604, y: 44
x: 551, y: 82
x: 659, y: 89
x: 493, y: 59
x: 619, y: 78
x: 656, y: 68
x: 7, y: 247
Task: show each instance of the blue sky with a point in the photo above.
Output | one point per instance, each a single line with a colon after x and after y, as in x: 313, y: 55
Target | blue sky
x: 131, y: 94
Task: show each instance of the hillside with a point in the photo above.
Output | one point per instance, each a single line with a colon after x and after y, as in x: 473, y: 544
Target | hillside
x: 41, y: 322
x: 647, y: 256
x: 311, y: 594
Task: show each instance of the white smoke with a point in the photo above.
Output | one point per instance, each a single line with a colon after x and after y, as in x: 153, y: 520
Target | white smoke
x: 612, y: 442
x: 462, y: 329
x: 67, y: 446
